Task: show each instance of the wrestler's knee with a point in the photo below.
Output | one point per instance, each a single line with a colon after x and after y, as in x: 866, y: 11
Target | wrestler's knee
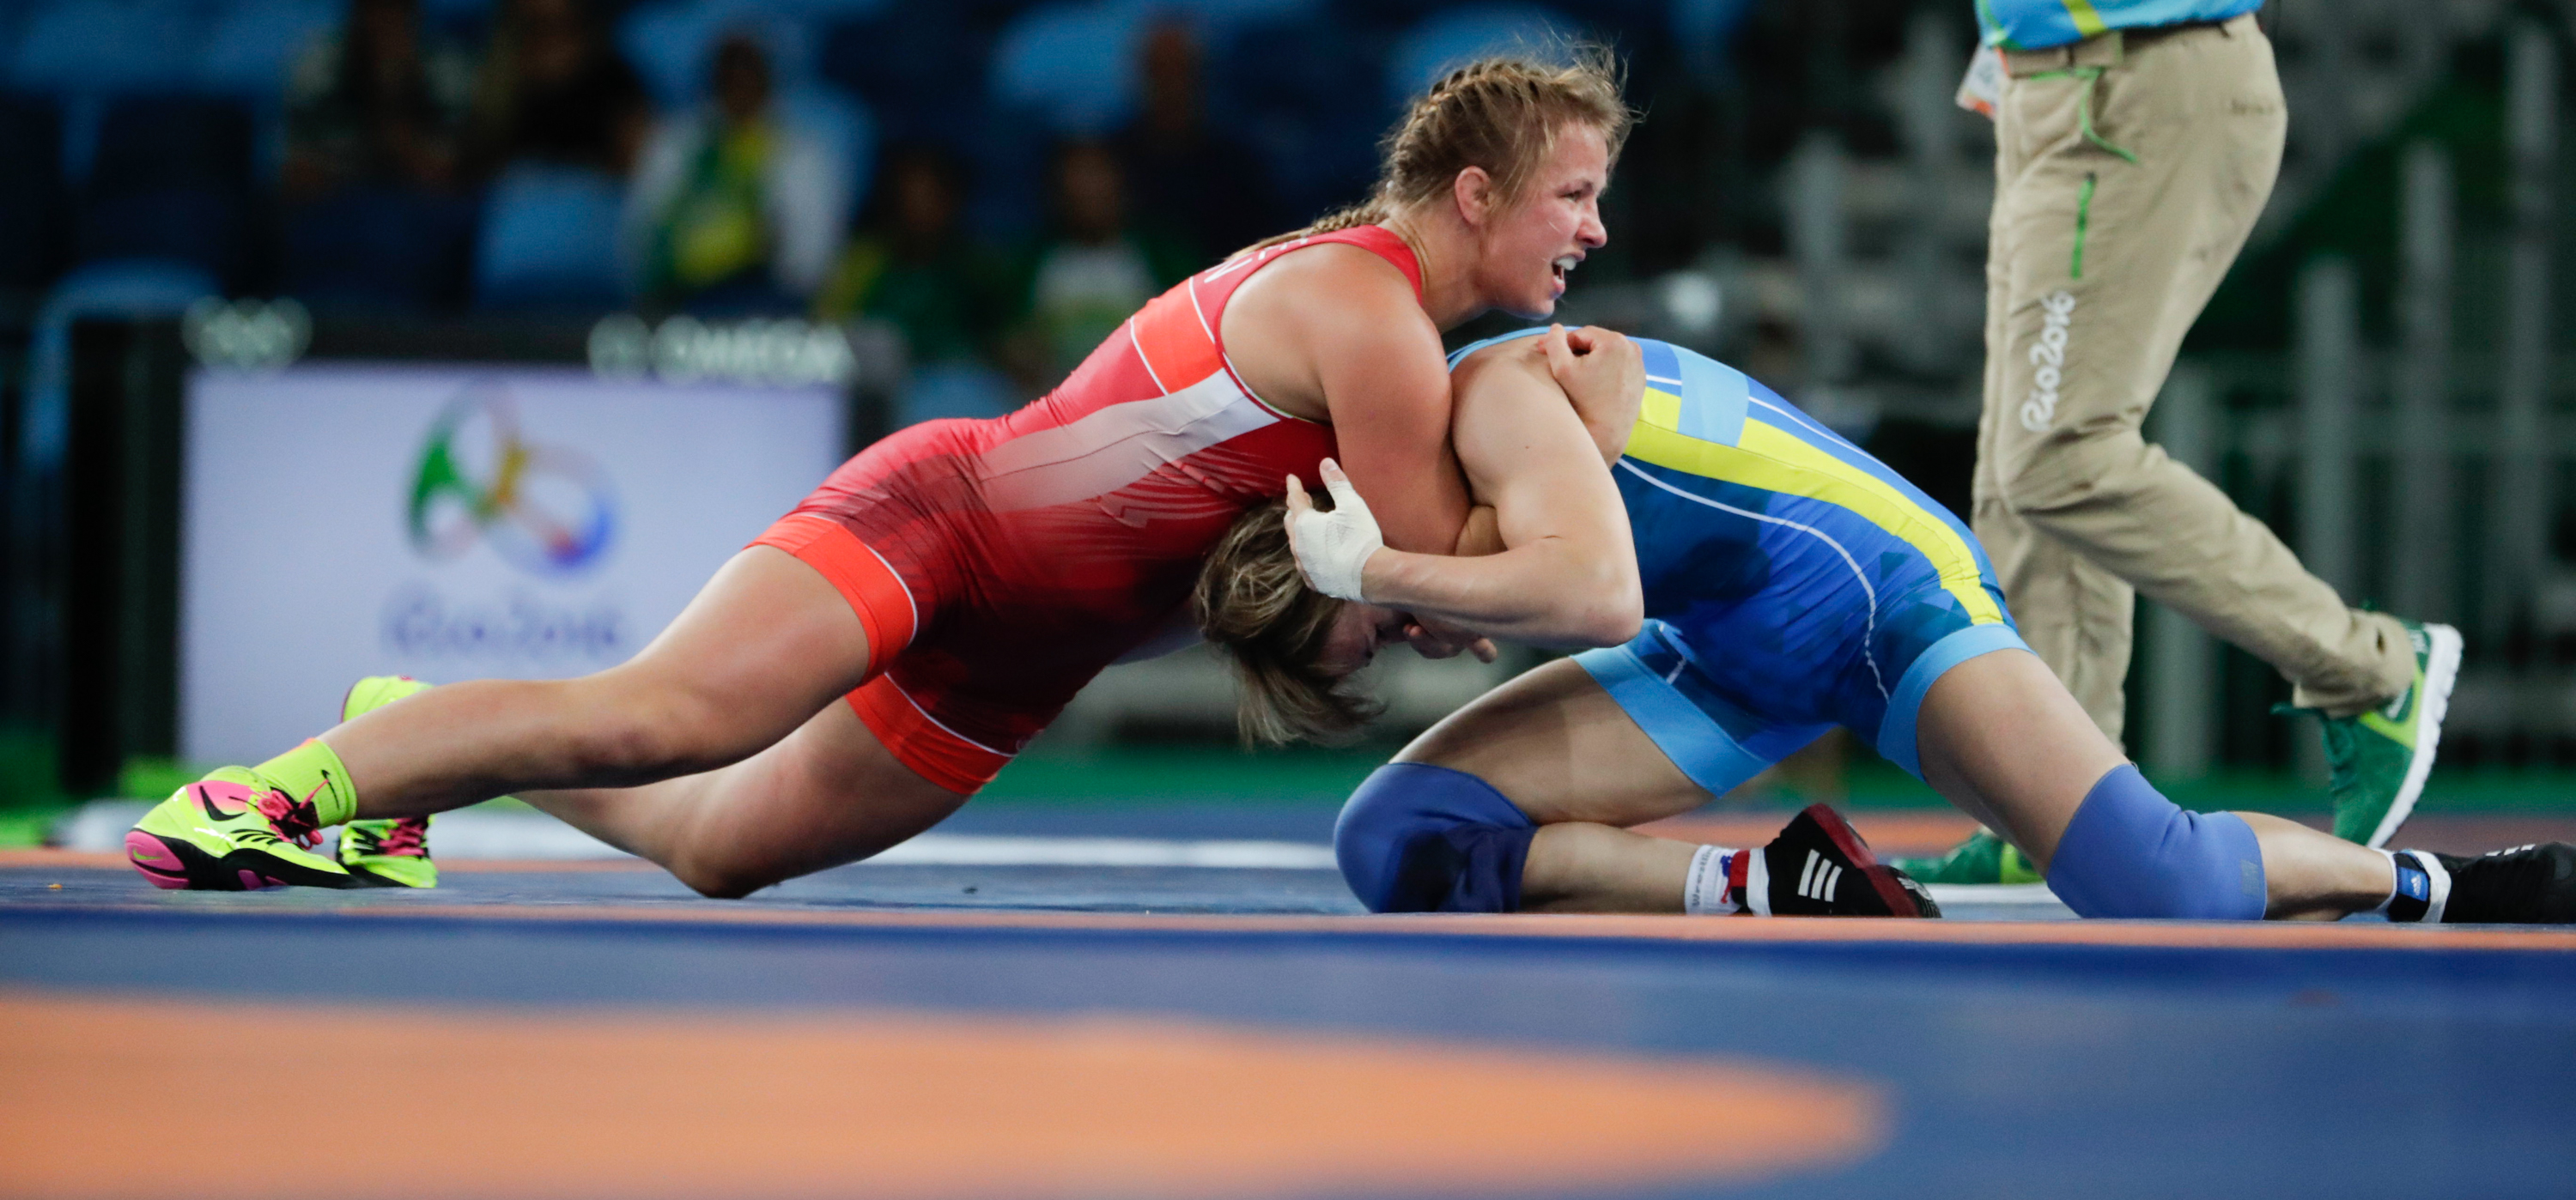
x: 1420, y: 838
x: 2129, y: 852
x: 719, y: 880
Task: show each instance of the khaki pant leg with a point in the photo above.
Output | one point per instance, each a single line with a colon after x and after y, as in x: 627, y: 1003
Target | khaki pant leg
x: 2085, y: 344
x: 2075, y: 615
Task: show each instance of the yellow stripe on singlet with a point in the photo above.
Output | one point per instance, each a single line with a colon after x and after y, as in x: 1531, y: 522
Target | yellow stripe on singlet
x: 1778, y: 460
x: 2087, y: 21
x: 1662, y: 409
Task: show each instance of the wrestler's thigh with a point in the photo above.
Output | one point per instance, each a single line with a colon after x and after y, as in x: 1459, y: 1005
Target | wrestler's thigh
x: 827, y: 794
x: 2001, y: 738
x: 766, y: 644
x: 1561, y: 749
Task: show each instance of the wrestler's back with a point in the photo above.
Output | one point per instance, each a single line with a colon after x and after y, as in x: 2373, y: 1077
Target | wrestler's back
x: 1804, y: 558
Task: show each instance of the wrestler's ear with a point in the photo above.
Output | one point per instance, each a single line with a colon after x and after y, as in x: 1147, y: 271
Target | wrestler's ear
x: 1473, y: 190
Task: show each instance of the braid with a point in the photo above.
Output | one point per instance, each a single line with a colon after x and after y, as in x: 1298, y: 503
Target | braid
x: 1498, y: 114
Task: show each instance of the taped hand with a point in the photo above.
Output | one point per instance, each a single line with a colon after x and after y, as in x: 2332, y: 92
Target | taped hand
x: 1332, y: 547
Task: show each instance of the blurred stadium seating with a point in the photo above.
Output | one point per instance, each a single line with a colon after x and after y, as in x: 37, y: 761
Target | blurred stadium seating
x: 380, y: 250
x: 549, y: 241
x: 152, y: 129
x: 35, y: 207
x: 171, y: 181
x: 1452, y: 39
x: 141, y: 144
x: 249, y: 48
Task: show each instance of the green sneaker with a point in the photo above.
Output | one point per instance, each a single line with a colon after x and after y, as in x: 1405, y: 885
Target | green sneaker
x: 1982, y: 858
x: 2376, y: 761
x: 232, y: 832
x: 390, y: 853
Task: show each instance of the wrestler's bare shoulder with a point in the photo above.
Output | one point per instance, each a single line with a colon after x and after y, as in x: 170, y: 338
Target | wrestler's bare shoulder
x: 1363, y: 288
x: 1330, y: 299
x: 1521, y: 355
x: 1503, y: 382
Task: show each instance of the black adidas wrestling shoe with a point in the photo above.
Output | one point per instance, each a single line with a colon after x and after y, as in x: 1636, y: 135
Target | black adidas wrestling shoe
x: 2527, y: 885
x: 1820, y: 867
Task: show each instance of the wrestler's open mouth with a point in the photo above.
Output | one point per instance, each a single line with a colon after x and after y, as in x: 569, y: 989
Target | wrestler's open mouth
x: 1563, y: 267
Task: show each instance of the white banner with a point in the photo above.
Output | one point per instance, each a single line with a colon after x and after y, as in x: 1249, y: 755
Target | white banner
x: 456, y: 522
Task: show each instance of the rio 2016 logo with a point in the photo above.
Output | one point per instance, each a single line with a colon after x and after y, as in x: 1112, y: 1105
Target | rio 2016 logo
x: 548, y: 510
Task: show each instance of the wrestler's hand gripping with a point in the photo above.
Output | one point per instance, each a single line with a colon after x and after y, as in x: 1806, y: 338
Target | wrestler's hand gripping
x: 1332, y: 547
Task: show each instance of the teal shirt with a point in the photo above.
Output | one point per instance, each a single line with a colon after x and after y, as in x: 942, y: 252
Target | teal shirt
x: 2038, y: 24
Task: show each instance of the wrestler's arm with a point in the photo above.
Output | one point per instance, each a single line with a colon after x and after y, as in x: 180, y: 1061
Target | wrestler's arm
x: 1603, y: 374
x: 1334, y: 333
x: 1568, y: 575
x: 1386, y: 383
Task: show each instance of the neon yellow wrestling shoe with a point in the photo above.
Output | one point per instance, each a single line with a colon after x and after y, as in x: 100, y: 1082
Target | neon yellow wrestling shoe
x: 2376, y: 761
x: 1982, y: 858
x: 389, y: 853
x: 232, y: 831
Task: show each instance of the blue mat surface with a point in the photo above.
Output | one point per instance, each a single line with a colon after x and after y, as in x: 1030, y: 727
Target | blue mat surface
x: 2053, y: 1059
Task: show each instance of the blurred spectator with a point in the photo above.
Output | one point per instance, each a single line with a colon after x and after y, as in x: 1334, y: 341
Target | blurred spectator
x: 912, y: 266
x: 1207, y: 194
x: 376, y: 104
x: 733, y: 208
x: 1092, y: 273
x: 555, y: 90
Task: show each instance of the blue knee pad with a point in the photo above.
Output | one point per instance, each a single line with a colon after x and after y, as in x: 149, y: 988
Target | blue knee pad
x: 2130, y: 852
x: 1419, y: 838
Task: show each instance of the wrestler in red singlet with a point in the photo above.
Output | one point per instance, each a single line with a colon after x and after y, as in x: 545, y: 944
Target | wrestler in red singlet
x: 999, y: 564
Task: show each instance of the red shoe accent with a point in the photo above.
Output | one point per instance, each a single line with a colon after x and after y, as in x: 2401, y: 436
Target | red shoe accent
x: 296, y: 820
x: 1847, y: 839
x: 409, y: 838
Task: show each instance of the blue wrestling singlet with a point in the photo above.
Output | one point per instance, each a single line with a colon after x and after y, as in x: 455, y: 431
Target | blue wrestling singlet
x: 1793, y: 582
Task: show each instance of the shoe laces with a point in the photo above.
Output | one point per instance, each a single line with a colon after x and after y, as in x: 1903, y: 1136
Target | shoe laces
x: 406, y: 838
x: 293, y: 819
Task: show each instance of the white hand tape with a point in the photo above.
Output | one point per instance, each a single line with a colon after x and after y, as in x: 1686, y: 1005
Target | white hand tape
x: 1332, y: 547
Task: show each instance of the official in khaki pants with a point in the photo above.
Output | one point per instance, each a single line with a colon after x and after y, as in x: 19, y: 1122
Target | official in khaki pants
x: 2129, y: 168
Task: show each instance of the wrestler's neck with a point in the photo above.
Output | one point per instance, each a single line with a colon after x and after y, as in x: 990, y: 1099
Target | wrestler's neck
x: 1447, y: 251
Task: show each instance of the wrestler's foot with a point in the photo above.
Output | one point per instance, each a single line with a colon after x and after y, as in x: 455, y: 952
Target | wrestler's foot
x: 391, y: 853
x: 2376, y: 761
x: 1982, y: 858
x: 232, y: 832
x: 2527, y: 885
x: 386, y: 853
x: 1820, y: 867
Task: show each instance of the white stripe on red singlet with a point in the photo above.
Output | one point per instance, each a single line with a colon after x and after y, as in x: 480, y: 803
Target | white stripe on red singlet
x: 1082, y: 460
x: 943, y: 728
x: 1138, y: 345
x: 1227, y: 360
x: 1200, y: 312
x: 897, y: 576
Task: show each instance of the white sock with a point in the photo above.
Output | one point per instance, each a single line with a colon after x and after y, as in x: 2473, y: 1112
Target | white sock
x: 1704, y: 889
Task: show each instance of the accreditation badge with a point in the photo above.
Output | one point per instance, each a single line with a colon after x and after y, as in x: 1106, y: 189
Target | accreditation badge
x: 1983, y: 86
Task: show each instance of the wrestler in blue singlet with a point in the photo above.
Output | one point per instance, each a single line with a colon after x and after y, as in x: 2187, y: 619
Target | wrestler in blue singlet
x: 1793, y: 582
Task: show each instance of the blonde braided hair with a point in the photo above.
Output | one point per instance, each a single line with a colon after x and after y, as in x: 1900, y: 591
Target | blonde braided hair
x: 1501, y: 114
